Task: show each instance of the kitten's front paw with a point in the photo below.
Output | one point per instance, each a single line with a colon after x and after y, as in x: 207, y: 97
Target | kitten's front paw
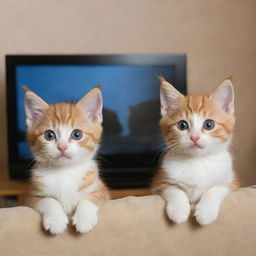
x: 178, y: 212
x: 206, y: 212
x: 85, y: 217
x: 55, y: 223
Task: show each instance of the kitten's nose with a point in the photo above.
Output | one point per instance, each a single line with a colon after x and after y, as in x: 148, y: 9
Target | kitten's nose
x: 62, y: 148
x: 194, y: 138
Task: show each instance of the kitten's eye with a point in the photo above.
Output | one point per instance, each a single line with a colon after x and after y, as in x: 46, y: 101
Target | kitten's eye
x: 49, y: 135
x: 76, y: 134
x: 182, y: 125
x: 209, y: 124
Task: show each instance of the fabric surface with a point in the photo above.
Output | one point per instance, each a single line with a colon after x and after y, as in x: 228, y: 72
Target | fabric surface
x: 137, y: 226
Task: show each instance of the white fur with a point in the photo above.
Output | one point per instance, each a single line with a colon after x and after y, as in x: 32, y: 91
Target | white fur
x: 63, y: 184
x: 200, y: 174
x: 54, y: 218
x: 208, y: 207
x: 178, y: 207
x: 85, y: 217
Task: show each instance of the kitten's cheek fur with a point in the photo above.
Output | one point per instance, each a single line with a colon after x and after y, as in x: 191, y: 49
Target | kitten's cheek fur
x: 85, y: 217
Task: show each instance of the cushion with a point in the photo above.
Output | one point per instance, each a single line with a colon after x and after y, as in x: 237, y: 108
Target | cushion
x: 137, y: 226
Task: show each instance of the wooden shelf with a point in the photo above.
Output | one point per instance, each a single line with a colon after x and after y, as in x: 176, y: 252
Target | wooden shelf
x: 18, y: 188
x: 13, y: 188
x: 119, y: 193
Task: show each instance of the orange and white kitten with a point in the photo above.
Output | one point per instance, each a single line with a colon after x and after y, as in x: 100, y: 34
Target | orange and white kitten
x: 65, y: 181
x: 197, y: 165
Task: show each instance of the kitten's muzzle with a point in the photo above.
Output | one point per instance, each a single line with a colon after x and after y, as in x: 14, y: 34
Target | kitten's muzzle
x: 62, y: 148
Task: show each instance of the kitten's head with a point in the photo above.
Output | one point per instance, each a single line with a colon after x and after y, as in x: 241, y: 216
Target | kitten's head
x: 63, y: 133
x: 197, y: 124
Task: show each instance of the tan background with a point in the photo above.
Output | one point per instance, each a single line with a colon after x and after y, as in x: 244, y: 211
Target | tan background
x: 217, y: 36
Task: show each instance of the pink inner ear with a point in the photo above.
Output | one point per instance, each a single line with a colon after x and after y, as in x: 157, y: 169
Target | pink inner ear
x: 91, y: 105
x: 168, y: 103
x: 34, y: 113
x: 227, y: 102
x: 169, y: 98
x: 37, y: 115
x: 34, y: 107
x: 224, y: 97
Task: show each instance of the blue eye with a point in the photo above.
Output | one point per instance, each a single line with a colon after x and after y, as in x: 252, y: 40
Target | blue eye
x: 182, y: 125
x: 209, y: 124
x: 49, y: 135
x: 76, y: 134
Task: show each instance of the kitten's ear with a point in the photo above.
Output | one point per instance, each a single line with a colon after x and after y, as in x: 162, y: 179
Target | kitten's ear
x: 34, y: 107
x: 169, y: 97
x: 223, y: 96
x: 91, y: 105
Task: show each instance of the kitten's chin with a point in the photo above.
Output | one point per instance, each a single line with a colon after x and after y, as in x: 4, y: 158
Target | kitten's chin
x: 55, y: 162
x: 73, y: 160
x: 204, y: 150
x: 64, y: 160
x: 196, y: 151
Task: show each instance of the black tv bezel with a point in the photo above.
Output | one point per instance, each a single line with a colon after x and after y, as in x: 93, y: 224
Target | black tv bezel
x: 131, y: 174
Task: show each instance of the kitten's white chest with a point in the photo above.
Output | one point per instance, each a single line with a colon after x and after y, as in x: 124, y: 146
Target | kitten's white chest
x: 63, y: 184
x: 198, y: 174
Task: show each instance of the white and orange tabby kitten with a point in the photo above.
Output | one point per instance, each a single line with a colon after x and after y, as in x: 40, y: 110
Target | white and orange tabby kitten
x: 197, y: 165
x: 65, y: 181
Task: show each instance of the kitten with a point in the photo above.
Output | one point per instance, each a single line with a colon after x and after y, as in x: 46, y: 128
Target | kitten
x: 197, y: 166
x: 65, y: 181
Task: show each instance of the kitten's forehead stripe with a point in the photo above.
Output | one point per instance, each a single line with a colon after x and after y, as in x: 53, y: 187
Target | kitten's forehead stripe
x: 189, y: 107
x: 202, y: 104
x: 196, y: 103
x: 62, y: 112
x: 55, y: 117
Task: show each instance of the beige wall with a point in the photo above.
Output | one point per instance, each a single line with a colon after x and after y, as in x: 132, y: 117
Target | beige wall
x: 218, y: 36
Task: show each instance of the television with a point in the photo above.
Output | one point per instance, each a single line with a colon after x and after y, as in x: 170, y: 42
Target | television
x: 131, y: 141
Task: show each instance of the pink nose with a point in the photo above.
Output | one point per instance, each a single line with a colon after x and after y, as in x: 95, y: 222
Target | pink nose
x: 194, y: 138
x: 62, y: 148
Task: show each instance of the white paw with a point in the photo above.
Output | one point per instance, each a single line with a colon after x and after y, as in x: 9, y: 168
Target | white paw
x: 55, y: 223
x: 85, y: 217
x: 178, y: 212
x: 206, y: 212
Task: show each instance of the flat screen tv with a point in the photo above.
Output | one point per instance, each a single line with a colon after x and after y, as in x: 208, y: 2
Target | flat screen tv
x: 131, y: 141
